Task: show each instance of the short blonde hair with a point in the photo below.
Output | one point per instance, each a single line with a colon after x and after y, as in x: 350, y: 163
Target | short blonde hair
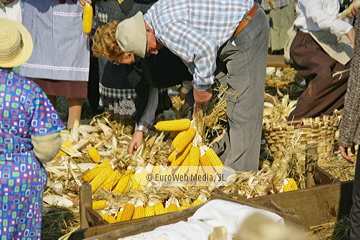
x: 104, y: 41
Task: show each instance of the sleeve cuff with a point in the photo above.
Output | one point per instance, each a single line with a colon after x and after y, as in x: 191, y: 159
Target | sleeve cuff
x: 202, y: 88
x: 144, y: 126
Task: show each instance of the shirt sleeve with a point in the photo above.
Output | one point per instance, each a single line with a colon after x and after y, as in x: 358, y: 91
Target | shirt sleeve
x: 314, y: 12
x: 45, y: 119
x: 195, y: 48
x: 147, y: 119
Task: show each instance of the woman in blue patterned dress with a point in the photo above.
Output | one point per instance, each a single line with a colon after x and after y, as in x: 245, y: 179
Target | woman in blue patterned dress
x: 29, y: 136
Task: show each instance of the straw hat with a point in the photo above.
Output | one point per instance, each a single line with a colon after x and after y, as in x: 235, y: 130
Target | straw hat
x: 16, y: 44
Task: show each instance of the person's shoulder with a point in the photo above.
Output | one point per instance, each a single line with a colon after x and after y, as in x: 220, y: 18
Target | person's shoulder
x: 27, y: 83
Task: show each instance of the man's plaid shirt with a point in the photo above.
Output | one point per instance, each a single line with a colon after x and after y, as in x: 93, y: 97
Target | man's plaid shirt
x: 195, y: 29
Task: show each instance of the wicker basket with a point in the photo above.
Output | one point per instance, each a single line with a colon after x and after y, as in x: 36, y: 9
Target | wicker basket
x: 321, y: 130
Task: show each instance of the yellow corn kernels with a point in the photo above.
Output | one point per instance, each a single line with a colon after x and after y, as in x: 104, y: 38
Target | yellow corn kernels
x: 128, y: 211
x: 94, y: 154
x: 123, y: 182
x: 159, y: 208
x: 290, y: 185
x: 213, y: 158
x: 65, y: 144
x: 171, y: 208
x: 173, y: 125
x: 111, y: 219
x: 139, y: 211
x: 87, y: 18
x: 100, y: 178
x: 99, y: 205
x: 181, y: 156
x: 89, y: 175
x: 183, y: 139
x: 112, y: 180
x: 197, y: 202
x: 149, y: 211
x: 118, y: 216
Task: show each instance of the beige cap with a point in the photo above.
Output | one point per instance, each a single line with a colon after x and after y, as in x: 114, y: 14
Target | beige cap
x: 16, y: 44
x: 131, y: 35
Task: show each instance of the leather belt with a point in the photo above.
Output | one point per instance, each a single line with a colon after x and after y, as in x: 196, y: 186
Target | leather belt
x: 245, y: 21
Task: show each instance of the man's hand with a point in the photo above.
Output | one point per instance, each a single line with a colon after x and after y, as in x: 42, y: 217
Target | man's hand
x: 353, y: 11
x: 344, y: 153
x: 83, y: 3
x: 202, y: 96
x: 135, y: 142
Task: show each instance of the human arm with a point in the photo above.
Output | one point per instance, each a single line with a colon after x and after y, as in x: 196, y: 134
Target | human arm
x: 345, y: 155
x: 147, y: 118
x: 46, y: 146
x: 350, y: 122
x: 45, y: 125
x: 324, y: 15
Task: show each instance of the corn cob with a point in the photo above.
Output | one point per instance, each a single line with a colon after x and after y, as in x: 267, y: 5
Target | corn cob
x: 89, y: 175
x: 139, y: 211
x: 171, y: 208
x: 193, y: 159
x: 181, y: 156
x: 99, y: 205
x: 94, y: 154
x: 121, y: 186
x: 149, y: 211
x: 104, y: 216
x: 200, y: 200
x: 107, y: 217
x: 204, y: 160
x: 172, y: 156
x: 133, y: 183
x: 87, y: 18
x: 128, y: 210
x: 290, y: 185
x: 141, y: 176
x: 172, y: 205
x: 65, y: 144
x: 112, y: 180
x: 118, y: 216
x: 100, y: 178
x: 213, y: 158
x: 184, y: 205
x: 182, y: 140
x: 159, y: 208
x: 173, y: 125
x: 111, y: 219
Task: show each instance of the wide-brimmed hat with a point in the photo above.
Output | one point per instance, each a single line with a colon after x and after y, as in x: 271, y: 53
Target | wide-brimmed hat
x: 131, y: 35
x: 16, y: 44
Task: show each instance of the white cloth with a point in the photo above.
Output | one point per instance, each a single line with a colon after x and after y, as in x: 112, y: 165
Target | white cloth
x: 213, y: 214
x: 320, y: 15
x: 13, y: 11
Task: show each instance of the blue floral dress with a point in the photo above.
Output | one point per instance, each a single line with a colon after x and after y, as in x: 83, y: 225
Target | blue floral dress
x: 25, y: 110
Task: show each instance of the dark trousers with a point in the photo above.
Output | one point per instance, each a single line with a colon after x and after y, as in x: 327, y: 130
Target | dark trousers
x: 245, y: 59
x: 355, y: 212
x: 324, y: 92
